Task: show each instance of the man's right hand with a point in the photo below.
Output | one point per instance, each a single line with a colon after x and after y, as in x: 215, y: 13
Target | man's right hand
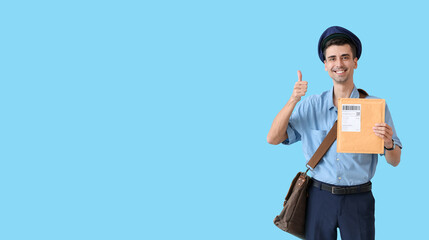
x: 299, y: 89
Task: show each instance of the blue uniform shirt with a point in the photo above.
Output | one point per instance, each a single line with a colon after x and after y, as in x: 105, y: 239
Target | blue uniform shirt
x: 311, y: 121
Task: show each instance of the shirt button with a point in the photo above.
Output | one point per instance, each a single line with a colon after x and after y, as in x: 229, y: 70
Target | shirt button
x: 338, y: 159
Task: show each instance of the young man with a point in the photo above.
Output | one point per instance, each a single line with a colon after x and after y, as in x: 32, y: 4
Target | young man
x: 310, y: 121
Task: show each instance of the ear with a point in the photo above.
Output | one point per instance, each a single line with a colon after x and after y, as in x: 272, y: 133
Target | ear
x: 355, y: 61
x: 326, y: 67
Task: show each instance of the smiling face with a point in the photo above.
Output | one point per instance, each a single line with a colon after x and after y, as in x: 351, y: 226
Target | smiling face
x: 340, y: 63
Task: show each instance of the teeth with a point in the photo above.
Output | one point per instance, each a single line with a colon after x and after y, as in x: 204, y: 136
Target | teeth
x: 340, y: 71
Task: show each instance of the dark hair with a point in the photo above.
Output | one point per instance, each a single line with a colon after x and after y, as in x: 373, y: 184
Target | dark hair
x: 340, y: 42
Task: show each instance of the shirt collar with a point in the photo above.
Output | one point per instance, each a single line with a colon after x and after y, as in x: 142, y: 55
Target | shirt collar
x: 354, y: 94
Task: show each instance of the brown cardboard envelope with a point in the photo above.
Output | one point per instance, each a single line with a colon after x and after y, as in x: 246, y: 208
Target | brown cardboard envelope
x: 356, y: 118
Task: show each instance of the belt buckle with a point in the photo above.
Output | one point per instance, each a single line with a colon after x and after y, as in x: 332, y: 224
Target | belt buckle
x: 336, y: 190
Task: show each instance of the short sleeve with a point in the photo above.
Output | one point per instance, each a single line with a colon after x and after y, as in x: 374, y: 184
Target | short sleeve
x: 292, y: 131
x: 293, y: 135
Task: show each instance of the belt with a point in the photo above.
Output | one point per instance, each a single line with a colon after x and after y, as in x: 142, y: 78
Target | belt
x: 366, y: 187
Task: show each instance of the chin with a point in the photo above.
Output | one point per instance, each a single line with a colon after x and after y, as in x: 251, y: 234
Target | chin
x: 341, y: 80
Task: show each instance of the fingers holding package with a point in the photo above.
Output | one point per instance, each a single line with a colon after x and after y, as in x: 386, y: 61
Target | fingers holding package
x: 384, y: 131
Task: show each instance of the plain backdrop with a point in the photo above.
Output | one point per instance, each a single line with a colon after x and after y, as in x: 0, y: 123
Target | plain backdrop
x: 148, y: 119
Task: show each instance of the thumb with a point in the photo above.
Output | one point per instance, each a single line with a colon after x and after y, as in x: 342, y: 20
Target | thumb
x: 299, y: 76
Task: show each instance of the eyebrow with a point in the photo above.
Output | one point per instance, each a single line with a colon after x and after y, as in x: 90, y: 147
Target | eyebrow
x: 345, y: 54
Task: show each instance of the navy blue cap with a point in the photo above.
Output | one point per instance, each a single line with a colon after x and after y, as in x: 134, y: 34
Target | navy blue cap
x: 334, y: 32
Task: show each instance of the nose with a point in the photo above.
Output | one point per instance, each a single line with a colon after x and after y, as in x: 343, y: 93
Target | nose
x: 339, y: 62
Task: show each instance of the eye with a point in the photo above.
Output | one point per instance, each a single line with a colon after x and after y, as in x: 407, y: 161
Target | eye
x: 345, y: 57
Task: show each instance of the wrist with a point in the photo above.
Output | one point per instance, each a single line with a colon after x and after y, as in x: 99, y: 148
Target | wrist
x: 391, y: 146
x: 293, y: 100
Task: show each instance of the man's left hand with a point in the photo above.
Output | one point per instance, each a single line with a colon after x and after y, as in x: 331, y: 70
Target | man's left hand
x: 385, y: 132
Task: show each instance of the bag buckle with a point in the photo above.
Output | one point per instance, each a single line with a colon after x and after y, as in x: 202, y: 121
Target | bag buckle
x: 306, y: 171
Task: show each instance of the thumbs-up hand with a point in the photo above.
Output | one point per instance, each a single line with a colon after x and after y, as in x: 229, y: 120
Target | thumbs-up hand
x: 299, y: 89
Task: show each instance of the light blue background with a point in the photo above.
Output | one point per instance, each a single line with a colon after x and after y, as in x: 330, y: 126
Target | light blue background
x: 148, y: 120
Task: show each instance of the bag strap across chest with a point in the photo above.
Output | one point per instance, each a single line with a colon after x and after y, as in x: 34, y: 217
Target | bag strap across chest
x: 328, y: 141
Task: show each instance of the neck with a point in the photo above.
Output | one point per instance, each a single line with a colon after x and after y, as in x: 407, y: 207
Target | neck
x: 342, y: 90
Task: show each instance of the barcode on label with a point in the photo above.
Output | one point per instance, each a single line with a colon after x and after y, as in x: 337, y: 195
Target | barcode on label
x: 351, y: 107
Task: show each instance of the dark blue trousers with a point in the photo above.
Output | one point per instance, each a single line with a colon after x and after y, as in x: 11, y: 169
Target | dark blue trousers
x: 353, y: 214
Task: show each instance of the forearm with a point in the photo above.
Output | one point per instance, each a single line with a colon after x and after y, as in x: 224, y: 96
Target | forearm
x: 277, y: 133
x: 393, y: 157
